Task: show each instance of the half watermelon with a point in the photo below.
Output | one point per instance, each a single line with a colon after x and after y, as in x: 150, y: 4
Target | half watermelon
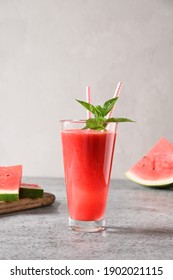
x: 10, y: 178
x: 156, y: 167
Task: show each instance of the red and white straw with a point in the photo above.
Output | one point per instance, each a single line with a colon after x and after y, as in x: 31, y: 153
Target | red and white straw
x: 116, y: 94
x: 88, y: 100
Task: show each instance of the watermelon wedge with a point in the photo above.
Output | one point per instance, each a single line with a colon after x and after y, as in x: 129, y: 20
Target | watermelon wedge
x: 10, y: 178
x: 156, y: 167
x: 30, y: 191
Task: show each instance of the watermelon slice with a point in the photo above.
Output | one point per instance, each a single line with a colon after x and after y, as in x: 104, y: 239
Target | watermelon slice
x: 10, y: 178
x: 156, y: 167
x: 30, y: 191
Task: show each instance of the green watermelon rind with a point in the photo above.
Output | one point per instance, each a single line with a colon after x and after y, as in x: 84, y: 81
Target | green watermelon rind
x: 6, y: 197
x: 30, y: 192
x: 150, y: 183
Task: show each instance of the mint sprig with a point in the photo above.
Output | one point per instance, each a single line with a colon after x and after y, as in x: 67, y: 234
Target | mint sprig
x: 99, y: 122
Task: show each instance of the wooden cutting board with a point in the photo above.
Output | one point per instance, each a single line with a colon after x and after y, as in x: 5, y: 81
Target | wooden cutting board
x: 26, y: 203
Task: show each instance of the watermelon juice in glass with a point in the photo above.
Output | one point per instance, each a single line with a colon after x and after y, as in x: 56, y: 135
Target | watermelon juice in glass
x: 88, y: 149
x: 88, y: 156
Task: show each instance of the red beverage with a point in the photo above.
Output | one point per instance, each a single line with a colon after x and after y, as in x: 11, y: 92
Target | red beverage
x: 88, y: 156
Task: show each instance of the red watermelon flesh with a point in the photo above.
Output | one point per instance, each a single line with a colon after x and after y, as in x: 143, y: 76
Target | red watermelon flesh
x: 10, y: 178
x: 156, y: 167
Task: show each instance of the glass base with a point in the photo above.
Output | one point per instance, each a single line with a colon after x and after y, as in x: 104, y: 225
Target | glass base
x: 87, y: 226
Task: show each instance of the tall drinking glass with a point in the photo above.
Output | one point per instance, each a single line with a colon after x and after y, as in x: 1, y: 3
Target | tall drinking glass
x: 87, y: 156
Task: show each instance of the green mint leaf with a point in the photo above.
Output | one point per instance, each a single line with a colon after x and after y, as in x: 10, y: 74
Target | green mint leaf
x: 95, y: 124
x: 109, y: 104
x: 99, y: 111
x: 88, y: 106
x: 99, y: 122
x: 117, y: 120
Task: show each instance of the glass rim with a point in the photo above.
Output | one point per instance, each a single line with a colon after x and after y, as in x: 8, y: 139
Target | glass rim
x: 79, y: 121
x: 72, y: 121
x: 67, y: 122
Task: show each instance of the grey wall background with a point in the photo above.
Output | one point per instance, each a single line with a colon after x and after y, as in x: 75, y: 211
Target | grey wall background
x: 50, y: 50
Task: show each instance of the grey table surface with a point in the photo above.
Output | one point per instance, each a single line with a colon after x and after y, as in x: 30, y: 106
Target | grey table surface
x: 139, y: 225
